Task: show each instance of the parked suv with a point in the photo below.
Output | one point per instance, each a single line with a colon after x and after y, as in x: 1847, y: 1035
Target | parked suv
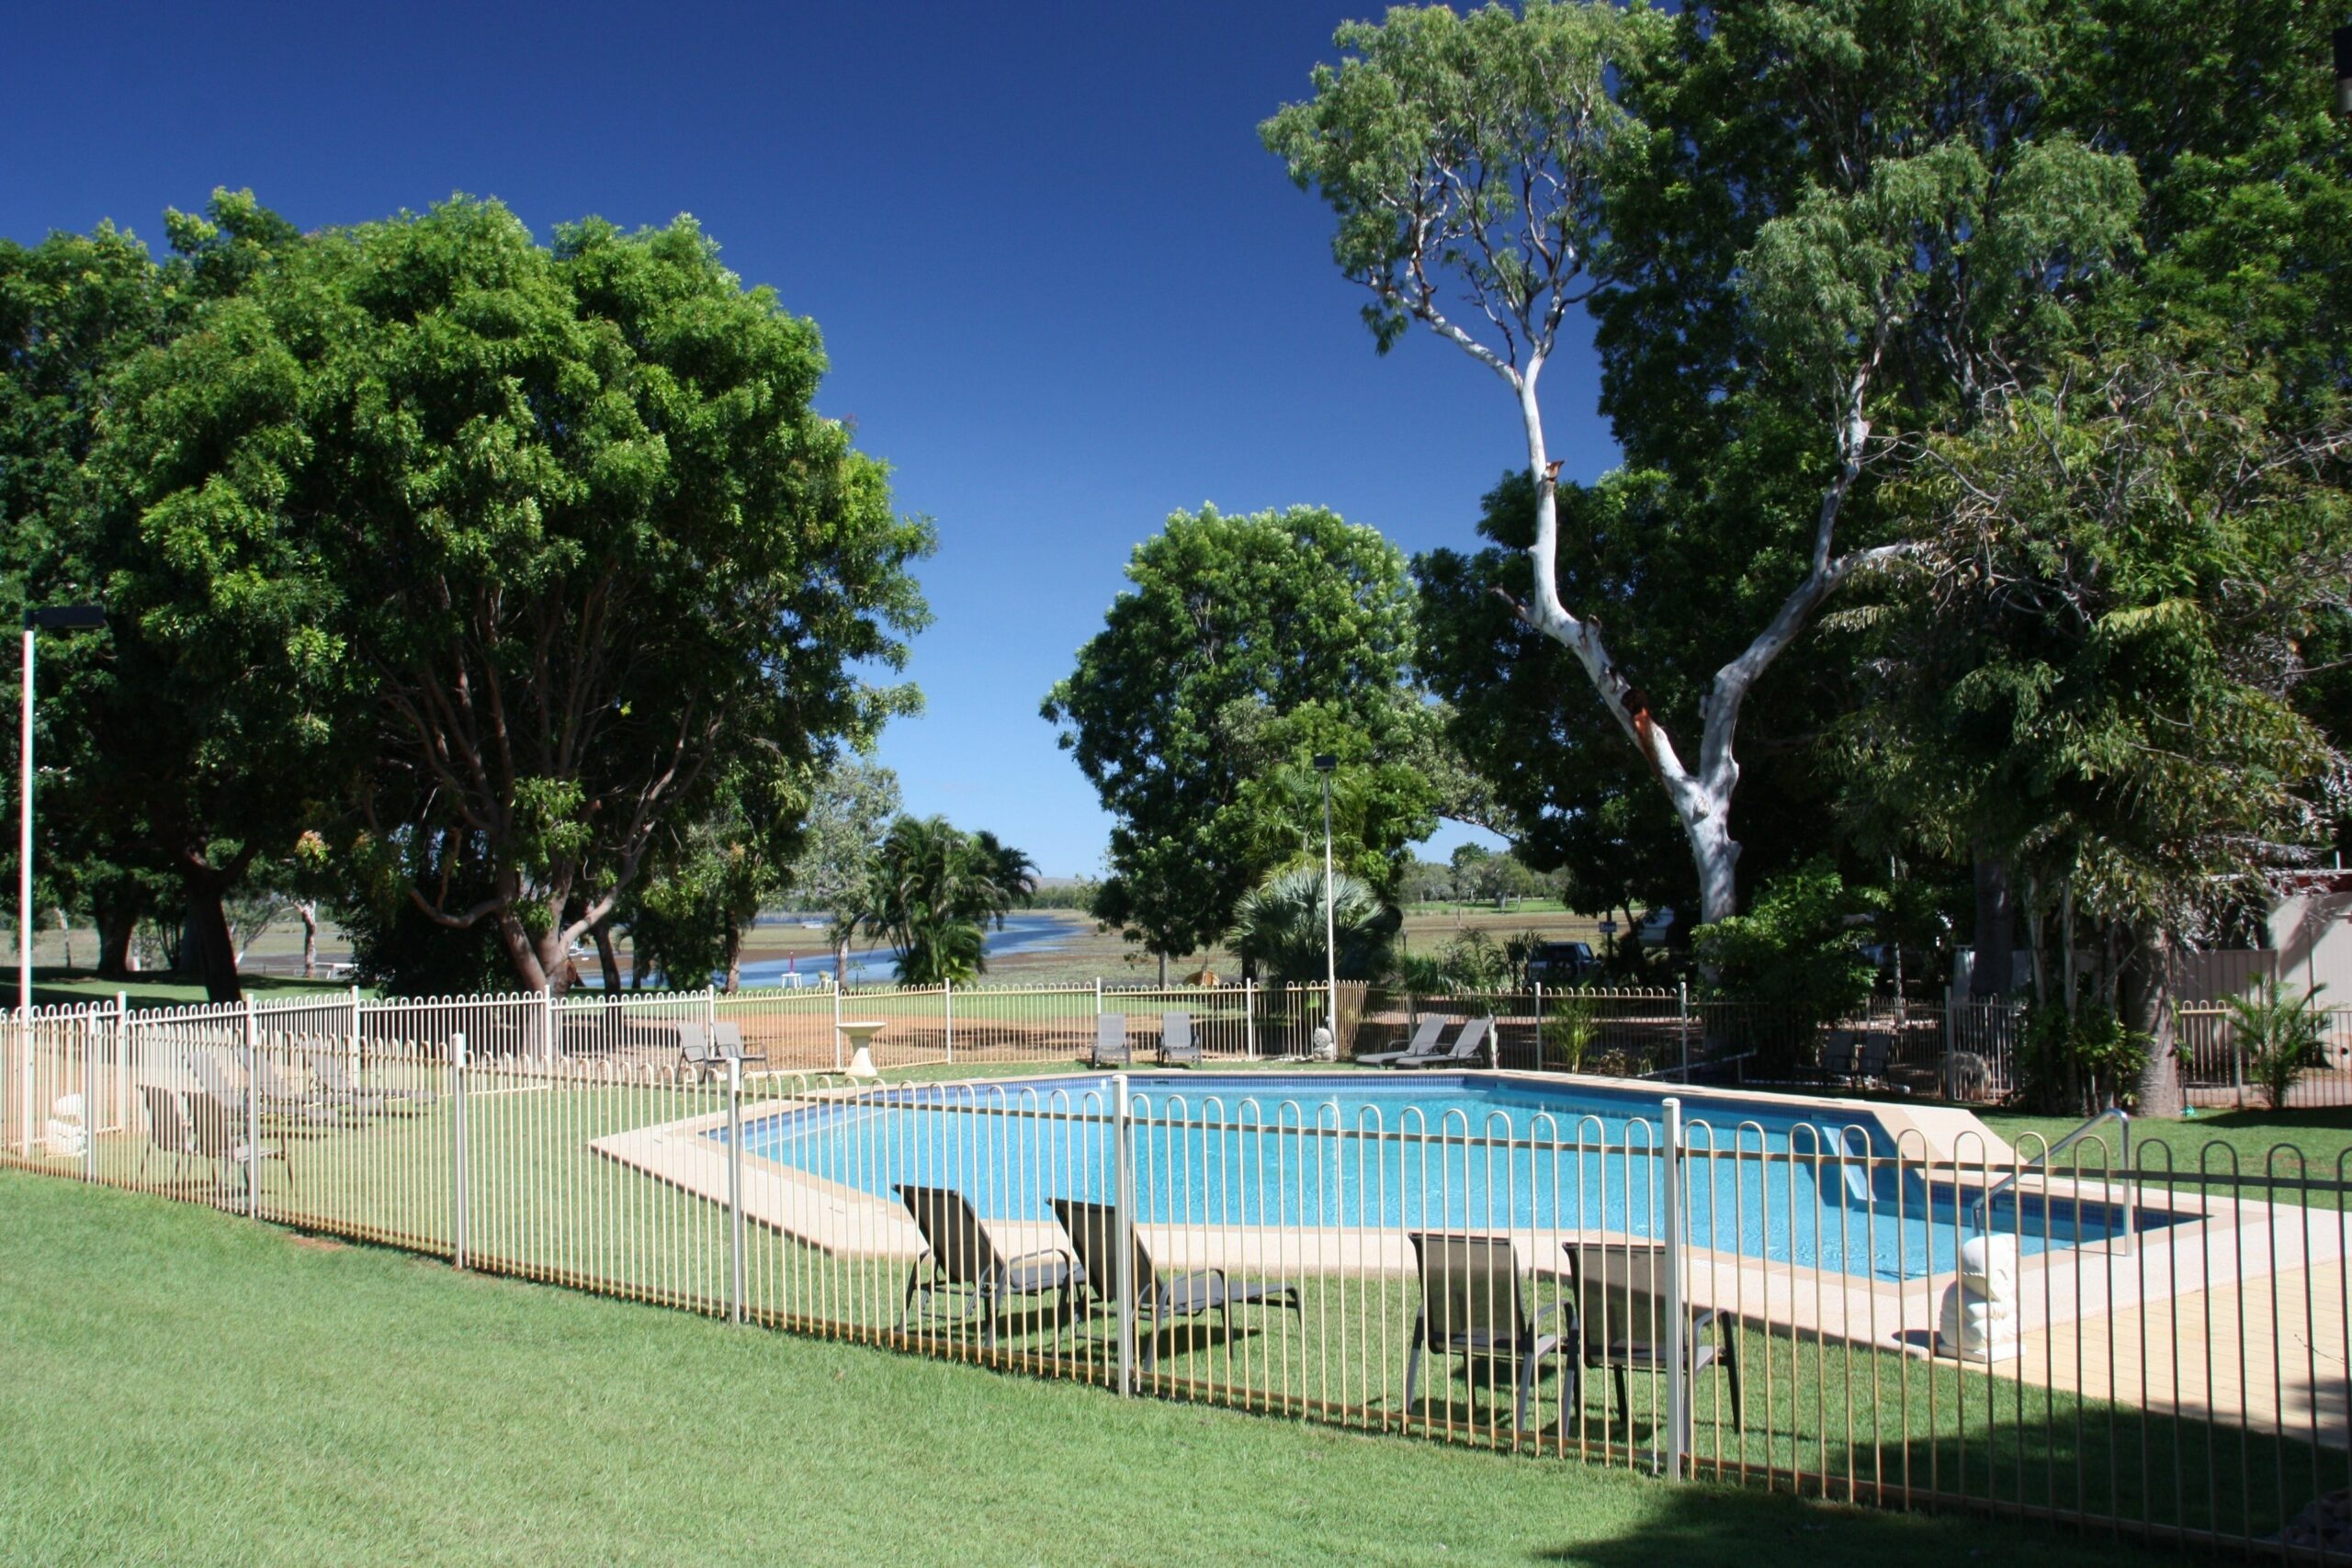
x: 1559, y: 963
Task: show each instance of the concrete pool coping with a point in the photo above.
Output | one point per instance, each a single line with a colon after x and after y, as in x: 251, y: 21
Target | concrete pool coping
x: 2212, y: 1246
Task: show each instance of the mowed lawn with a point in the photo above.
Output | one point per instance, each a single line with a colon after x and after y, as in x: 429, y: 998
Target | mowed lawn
x: 187, y: 1386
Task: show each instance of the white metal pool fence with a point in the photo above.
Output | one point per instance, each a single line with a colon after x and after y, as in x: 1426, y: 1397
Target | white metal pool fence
x: 1680, y: 1292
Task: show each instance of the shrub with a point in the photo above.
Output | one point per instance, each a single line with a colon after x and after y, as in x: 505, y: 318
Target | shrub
x: 2282, y: 1036
x: 1797, y: 952
x: 2073, y: 1063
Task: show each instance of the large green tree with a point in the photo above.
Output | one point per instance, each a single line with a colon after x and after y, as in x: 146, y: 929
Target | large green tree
x: 934, y: 892
x: 626, y: 559
x: 850, y: 809
x: 2093, y: 662
x: 207, y: 727
x: 1812, y: 220
x: 1245, y: 648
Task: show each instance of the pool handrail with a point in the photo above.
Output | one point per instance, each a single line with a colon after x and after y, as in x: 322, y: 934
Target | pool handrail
x: 1982, y: 1208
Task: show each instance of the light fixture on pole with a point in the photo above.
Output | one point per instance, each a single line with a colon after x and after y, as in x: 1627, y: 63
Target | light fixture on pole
x: 1324, y: 763
x: 55, y: 618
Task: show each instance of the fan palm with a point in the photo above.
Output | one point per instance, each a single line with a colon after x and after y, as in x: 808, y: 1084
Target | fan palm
x: 1279, y: 926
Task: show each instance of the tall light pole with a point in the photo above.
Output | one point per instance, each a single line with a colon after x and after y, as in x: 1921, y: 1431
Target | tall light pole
x: 1324, y: 763
x: 56, y: 618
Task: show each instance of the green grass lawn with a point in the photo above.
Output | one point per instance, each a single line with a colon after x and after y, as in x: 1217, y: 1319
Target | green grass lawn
x: 58, y: 986
x: 186, y: 1386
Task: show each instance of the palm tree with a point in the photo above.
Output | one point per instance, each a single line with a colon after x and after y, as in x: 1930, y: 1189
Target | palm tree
x: 935, y: 889
x: 1279, y: 926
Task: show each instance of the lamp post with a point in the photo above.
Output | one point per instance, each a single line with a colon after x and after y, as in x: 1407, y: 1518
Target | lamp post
x: 1324, y: 763
x: 56, y: 618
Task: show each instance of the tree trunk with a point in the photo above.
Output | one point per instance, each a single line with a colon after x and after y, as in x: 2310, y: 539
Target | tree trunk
x: 606, y: 959
x: 840, y: 959
x: 117, y: 923
x: 1995, y: 938
x: 206, y: 949
x: 2147, y: 1007
x: 522, y: 954
x: 309, y: 909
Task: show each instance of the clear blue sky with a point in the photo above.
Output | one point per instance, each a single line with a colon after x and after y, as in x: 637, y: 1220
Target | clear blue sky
x: 1064, y: 290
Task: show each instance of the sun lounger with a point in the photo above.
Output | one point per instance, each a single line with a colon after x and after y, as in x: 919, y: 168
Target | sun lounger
x: 1176, y: 1042
x: 1470, y: 1048
x: 1111, y: 1049
x: 204, y: 1064
x: 1619, y: 1315
x: 333, y: 1070
x: 1472, y: 1306
x: 1161, y: 1298
x: 1423, y: 1044
x: 960, y: 1256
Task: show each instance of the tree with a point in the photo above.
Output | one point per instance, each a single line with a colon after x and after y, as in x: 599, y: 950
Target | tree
x: 632, y: 557
x: 1911, y: 231
x: 1279, y: 928
x: 192, y: 736
x: 1246, y: 647
x: 850, y: 810
x: 935, y: 891
x: 2094, y: 664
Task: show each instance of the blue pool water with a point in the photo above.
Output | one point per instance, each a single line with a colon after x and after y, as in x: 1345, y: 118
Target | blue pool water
x: 1765, y: 1179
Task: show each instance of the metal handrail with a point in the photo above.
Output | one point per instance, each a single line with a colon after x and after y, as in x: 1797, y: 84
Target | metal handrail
x: 2116, y: 1114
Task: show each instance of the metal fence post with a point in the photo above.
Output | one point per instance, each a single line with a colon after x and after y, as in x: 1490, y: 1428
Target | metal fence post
x: 23, y: 1022
x: 1539, y: 1031
x: 547, y: 1022
x: 837, y: 1021
x: 1123, y: 1194
x: 735, y: 1188
x: 1678, y: 1306
x: 122, y: 1093
x: 1249, y: 1018
x: 1098, y: 996
x: 90, y: 1096
x: 253, y: 1111
x: 1682, y: 1022
x: 947, y: 1000
x: 458, y: 1148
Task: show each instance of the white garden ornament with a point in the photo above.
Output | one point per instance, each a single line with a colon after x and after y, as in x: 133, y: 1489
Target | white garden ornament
x: 1979, y: 1320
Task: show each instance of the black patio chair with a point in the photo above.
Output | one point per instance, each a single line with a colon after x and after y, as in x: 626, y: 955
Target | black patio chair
x: 960, y: 1256
x: 1472, y: 1306
x: 1161, y: 1298
x: 1619, y: 1292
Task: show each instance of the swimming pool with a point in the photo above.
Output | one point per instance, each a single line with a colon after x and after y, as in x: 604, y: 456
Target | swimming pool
x: 1797, y: 1183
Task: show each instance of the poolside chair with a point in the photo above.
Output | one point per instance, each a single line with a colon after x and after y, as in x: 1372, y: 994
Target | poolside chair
x: 1176, y: 1042
x: 1619, y: 1290
x: 167, y: 1130
x: 281, y: 1094
x: 1472, y: 1306
x: 1110, y: 1048
x: 960, y: 1256
x: 1161, y: 1298
x: 1423, y: 1044
x: 216, y: 1136
x: 1869, y: 1067
x: 1471, y: 1048
x: 204, y: 1064
x: 696, y: 1055
x: 332, y: 1070
x: 727, y: 1041
x: 1838, y: 1058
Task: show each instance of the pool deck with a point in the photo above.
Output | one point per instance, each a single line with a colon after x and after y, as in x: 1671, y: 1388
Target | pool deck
x: 2102, y: 1319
